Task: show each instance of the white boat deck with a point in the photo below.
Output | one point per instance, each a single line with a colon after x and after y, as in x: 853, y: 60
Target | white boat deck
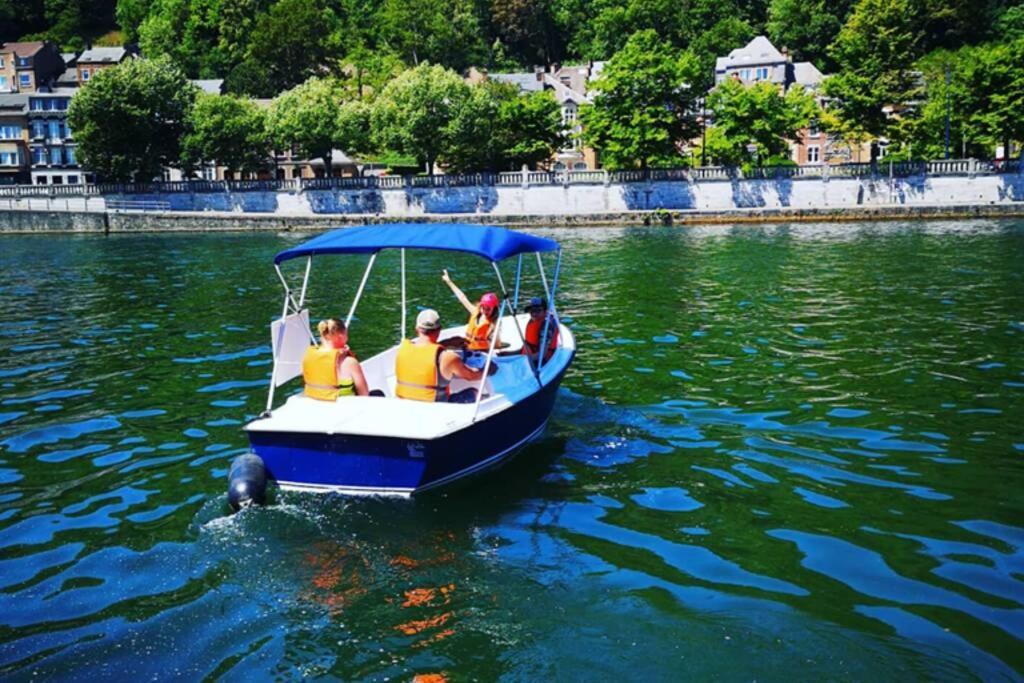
x: 400, y: 418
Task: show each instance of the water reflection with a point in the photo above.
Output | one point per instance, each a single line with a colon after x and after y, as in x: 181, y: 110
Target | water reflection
x: 780, y: 447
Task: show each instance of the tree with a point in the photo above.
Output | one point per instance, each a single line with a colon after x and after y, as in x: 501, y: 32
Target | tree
x: 307, y: 117
x: 757, y: 117
x: 808, y: 27
x: 414, y: 112
x: 428, y: 31
x: 877, y: 49
x: 644, y: 106
x: 500, y: 129
x: 296, y: 40
x: 129, y: 120
x: 226, y: 129
x: 527, y: 29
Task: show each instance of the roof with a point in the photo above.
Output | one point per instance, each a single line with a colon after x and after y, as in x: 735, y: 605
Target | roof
x: 564, y: 92
x: 487, y: 241
x: 14, y: 101
x: 213, y: 86
x: 758, y: 51
x: 69, y: 77
x: 69, y: 58
x: 525, y: 81
x: 807, y: 74
x: 26, y: 49
x: 103, y: 55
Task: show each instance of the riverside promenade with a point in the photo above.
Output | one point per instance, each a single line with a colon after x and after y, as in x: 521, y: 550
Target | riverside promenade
x: 940, y: 189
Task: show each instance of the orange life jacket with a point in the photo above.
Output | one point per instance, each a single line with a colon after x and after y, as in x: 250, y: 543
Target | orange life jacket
x: 418, y: 373
x: 478, y: 331
x: 320, y: 373
x: 534, y: 330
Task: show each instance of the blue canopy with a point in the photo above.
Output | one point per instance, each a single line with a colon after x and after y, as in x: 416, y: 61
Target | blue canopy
x: 488, y: 241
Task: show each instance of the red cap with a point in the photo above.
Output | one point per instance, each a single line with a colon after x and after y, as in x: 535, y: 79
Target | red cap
x: 489, y: 299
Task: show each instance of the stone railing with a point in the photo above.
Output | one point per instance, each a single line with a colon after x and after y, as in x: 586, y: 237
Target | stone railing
x: 903, y: 169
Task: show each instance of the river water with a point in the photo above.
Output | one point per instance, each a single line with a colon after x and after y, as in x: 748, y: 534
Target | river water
x: 783, y: 452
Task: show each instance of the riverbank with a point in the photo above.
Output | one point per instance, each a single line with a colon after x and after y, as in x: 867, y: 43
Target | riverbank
x: 107, y: 222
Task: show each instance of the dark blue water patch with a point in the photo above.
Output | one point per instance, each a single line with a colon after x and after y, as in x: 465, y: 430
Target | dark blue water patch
x: 225, y: 403
x: 222, y: 357
x: 60, y: 432
x: 28, y: 369
x: 865, y: 572
x: 195, y: 433
x: 847, y: 412
x: 117, y: 457
x: 233, y: 384
x: 819, y: 499
x: 9, y: 475
x: 671, y: 499
x: 21, y: 569
x: 958, y: 655
x: 695, y: 531
x: 64, y: 455
x: 49, y: 396
x: 42, y: 528
x: 10, y: 417
x: 980, y: 411
x: 728, y: 478
x: 611, y: 450
x: 223, y: 422
x: 665, y: 339
x: 991, y: 365
x: 644, y: 371
x: 25, y: 348
x: 681, y: 375
x: 148, y: 412
x: 49, y: 408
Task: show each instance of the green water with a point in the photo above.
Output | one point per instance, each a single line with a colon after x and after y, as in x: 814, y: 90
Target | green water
x: 786, y: 452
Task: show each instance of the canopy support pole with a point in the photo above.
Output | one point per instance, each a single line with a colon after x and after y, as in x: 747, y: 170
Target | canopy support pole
x: 504, y: 297
x: 359, y: 292
x: 490, y: 355
x: 401, y: 332
x: 305, y: 281
x: 554, y: 313
x: 515, y: 297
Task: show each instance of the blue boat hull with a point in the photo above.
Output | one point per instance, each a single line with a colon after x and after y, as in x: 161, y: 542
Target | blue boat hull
x: 385, y: 465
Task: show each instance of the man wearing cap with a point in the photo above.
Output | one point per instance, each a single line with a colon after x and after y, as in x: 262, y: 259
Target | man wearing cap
x: 534, y: 335
x: 483, y: 318
x: 424, y: 369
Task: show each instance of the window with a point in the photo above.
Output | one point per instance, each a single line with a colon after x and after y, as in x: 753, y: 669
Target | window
x: 69, y: 154
x: 813, y: 154
x: 36, y: 104
x: 40, y: 180
x: 56, y: 158
x: 25, y: 80
x: 762, y: 73
x: 85, y: 75
x: 55, y: 130
x: 58, y: 180
x: 3, y: 80
x: 10, y: 132
x: 10, y: 159
x: 38, y: 129
x: 72, y: 180
x: 38, y: 155
x: 814, y: 130
x: 61, y: 104
x: 1, y: 61
x: 22, y: 61
x: 569, y: 114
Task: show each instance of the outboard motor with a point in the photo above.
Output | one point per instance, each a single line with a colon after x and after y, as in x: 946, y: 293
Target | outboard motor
x: 247, y: 482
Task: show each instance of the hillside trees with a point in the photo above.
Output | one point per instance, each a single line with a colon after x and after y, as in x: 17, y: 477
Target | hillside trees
x: 226, y: 129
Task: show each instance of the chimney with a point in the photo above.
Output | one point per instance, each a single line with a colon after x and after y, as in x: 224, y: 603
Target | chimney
x: 538, y: 71
x: 785, y: 53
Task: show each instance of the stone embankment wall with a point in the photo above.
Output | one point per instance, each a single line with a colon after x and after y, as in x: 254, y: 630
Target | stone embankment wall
x: 735, y: 200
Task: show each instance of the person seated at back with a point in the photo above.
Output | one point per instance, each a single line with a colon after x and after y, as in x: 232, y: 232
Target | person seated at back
x: 330, y: 370
x: 424, y: 369
x: 534, y: 335
x: 483, y: 319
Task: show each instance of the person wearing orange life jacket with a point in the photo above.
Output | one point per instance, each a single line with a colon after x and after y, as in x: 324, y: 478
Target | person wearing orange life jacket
x: 424, y: 369
x: 483, y: 319
x: 330, y: 370
x: 534, y: 335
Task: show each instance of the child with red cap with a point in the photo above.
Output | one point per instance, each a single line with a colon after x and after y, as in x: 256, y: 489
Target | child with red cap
x: 483, y: 317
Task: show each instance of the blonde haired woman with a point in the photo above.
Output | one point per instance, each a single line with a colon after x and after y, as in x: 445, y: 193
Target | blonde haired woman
x: 330, y: 371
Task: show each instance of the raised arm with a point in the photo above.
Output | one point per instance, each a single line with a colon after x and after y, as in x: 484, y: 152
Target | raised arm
x: 463, y: 299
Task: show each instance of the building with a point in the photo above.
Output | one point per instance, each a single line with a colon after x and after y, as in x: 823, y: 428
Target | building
x: 52, y: 151
x: 27, y: 67
x: 14, y: 152
x: 95, y: 59
x: 569, y: 86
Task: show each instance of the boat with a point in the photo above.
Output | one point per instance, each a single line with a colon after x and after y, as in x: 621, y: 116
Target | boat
x: 384, y: 445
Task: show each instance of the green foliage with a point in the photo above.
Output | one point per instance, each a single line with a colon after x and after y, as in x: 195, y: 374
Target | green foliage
x: 226, y: 129
x: 296, y: 40
x: 307, y: 117
x: 643, y: 104
x: 528, y: 30
x: 984, y: 99
x: 128, y: 121
x: 756, y: 121
x: 807, y: 27
x: 500, y: 129
x: 413, y: 115
x: 446, y: 33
